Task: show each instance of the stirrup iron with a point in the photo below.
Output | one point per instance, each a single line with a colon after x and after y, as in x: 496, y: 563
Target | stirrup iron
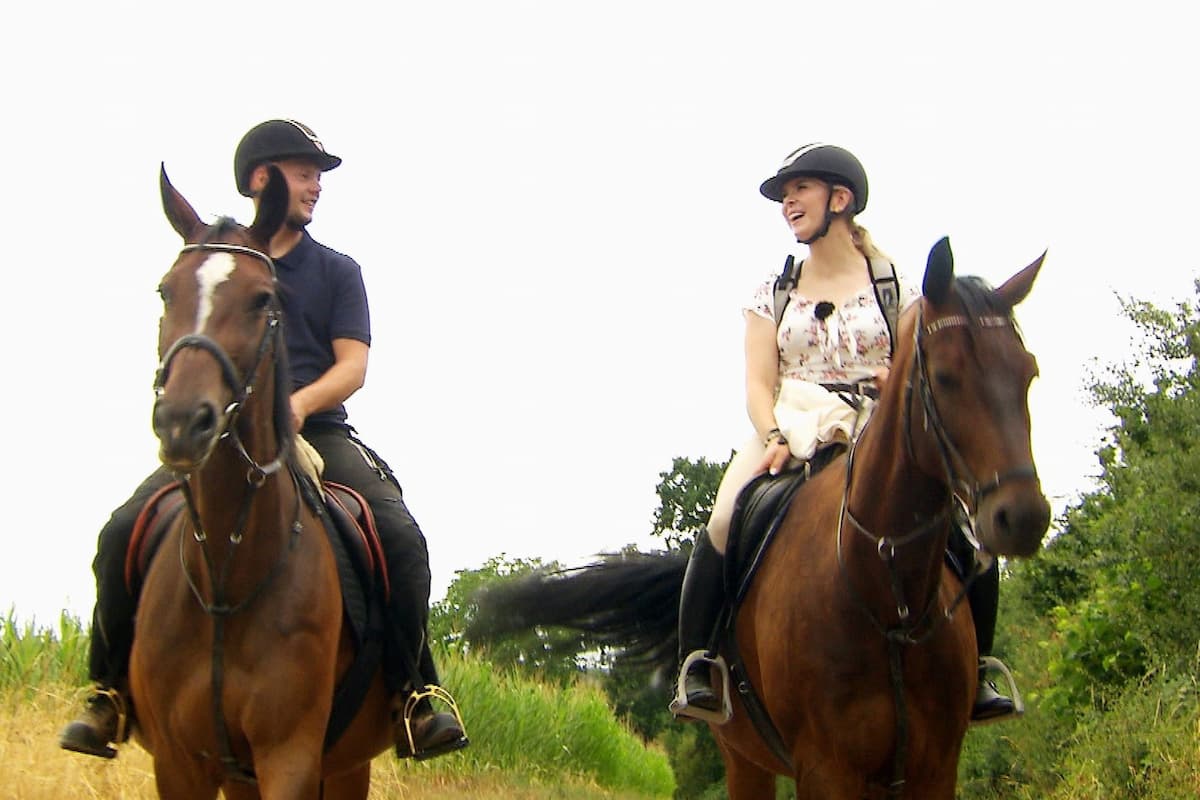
x: 118, y: 701
x: 679, y: 706
x: 990, y: 663
x: 434, y: 692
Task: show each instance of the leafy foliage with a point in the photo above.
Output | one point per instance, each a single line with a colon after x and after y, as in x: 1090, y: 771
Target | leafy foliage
x: 1106, y: 621
x: 686, y: 493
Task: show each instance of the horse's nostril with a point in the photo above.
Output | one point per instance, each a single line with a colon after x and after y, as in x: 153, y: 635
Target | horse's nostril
x: 204, y: 420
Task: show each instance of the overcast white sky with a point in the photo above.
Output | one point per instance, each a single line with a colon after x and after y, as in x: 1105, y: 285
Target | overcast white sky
x: 555, y: 207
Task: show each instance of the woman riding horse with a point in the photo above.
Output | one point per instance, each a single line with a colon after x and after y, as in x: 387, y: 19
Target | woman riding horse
x: 831, y: 339
x: 856, y: 663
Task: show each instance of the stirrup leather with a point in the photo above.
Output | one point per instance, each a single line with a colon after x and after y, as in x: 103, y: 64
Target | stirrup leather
x: 990, y: 663
x: 679, y: 706
x: 410, y: 705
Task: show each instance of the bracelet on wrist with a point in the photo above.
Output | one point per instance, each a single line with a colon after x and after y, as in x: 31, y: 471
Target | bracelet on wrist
x: 774, y: 433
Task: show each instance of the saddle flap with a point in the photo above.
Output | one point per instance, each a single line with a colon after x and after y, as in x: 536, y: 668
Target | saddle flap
x: 152, y: 522
x: 757, y: 514
x: 356, y: 525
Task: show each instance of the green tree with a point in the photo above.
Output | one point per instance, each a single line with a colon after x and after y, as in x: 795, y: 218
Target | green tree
x: 686, y: 493
x: 553, y: 655
x: 1106, y: 621
x: 685, y: 499
x: 1141, y: 528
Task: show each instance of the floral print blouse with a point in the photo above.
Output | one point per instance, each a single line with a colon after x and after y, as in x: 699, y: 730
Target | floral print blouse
x: 849, y: 344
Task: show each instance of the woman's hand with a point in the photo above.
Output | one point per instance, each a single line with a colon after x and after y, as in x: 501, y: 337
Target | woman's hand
x: 775, y: 457
x: 881, y: 376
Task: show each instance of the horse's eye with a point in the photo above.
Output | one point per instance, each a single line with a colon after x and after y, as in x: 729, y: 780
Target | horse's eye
x: 946, y: 380
x: 262, y: 301
x: 164, y: 294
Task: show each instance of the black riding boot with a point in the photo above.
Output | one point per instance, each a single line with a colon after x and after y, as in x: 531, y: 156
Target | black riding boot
x: 700, y: 603
x: 419, y: 731
x: 984, y: 598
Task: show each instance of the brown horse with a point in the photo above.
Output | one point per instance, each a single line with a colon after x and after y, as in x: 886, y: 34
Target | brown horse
x: 852, y: 633
x: 240, y: 635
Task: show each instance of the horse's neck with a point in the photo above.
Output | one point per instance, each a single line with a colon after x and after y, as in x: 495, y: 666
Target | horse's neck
x: 228, y: 499
x: 894, y: 499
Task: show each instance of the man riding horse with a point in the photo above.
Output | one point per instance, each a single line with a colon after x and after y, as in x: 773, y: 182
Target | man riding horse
x: 327, y: 330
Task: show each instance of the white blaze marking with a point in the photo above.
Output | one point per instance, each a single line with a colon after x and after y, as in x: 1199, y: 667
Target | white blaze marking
x: 215, y: 270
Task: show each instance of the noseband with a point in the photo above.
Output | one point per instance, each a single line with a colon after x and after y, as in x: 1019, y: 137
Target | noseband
x: 240, y: 387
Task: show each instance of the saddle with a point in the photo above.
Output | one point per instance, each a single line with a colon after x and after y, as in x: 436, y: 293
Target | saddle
x: 361, y: 566
x: 758, y: 512
x: 347, y: 511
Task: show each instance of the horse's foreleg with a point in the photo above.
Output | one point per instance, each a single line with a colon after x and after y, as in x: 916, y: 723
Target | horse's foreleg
x: 352, y: 785
x: 240, y: 791
x: 744, y: 779
x: 290, y: 771
x: 175, y: 781
x: 941, y: 786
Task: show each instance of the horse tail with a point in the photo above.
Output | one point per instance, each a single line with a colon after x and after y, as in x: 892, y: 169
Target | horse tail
x: 627, y: 601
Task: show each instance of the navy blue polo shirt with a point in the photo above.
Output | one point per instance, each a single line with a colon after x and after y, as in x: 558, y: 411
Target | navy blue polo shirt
x: 323, y: 299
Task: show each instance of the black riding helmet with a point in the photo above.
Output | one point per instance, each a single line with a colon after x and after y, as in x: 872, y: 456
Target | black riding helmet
x: 273, y: 140
x: 825, y: 161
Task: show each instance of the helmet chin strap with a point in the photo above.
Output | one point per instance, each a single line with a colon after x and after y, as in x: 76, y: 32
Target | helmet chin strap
x: 824, y: 229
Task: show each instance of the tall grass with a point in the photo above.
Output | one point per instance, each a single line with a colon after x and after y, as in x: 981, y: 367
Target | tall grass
x: 524, y: 734
x: 31, y: 656
x: 547, y: 730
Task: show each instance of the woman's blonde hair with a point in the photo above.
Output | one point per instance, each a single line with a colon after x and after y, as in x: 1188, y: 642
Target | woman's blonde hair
x: 865, y: 244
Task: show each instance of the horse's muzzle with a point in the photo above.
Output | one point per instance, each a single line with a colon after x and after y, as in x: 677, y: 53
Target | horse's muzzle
x: 187, y: 433
x: 1013, y: 520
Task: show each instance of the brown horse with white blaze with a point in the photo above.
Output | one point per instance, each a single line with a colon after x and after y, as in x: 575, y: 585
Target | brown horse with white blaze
x: 240, y: 635
x: 853, y: 633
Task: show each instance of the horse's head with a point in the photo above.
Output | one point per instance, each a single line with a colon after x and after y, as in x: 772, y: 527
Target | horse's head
x: 969, y: 373
x: 219, y: 328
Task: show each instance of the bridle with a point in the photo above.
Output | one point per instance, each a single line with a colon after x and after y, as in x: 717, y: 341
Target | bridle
x: 966, y: 493
x: 242, y: 387
x: 960, y: 478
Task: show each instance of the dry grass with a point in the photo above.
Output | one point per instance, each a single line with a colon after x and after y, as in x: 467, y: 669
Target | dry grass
x: 32, y: 767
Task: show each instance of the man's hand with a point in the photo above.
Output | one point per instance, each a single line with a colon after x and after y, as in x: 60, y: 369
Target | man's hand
x: 299, y: 412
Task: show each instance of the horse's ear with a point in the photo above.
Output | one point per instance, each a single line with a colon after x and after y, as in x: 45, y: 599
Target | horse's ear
x: 1016, y: 288
x: 182, y: 216
x: 272, y: 207
x: 939, y: 272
